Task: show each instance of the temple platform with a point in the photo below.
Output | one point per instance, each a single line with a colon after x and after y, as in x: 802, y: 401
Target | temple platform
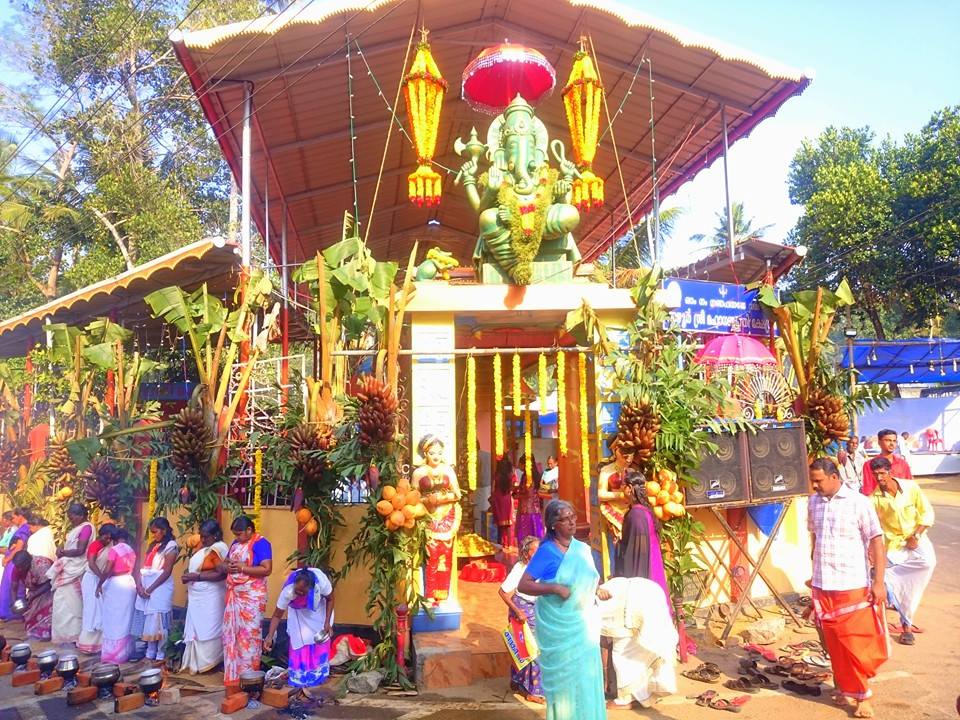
x: 474, y: 652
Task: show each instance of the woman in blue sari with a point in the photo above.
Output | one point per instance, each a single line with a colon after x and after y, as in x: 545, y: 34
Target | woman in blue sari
x: 564, y: 579
x: 18, y: 542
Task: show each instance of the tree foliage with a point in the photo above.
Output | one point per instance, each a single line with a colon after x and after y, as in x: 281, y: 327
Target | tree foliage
x: 886, y: 216
x: 109, y: 162
x: 743, y: 229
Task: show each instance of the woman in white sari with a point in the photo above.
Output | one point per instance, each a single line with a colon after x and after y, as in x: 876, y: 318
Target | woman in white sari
x: 65, y: 575
x: 97, y: 561
x: 118, y: 592
x: 151, y: 618
x: 206, y: 592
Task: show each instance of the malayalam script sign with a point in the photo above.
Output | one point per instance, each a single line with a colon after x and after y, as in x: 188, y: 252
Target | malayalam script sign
x: 715, y: 307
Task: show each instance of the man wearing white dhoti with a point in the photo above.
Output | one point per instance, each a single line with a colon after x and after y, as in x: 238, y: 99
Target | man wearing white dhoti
x: 905, y: 516
x: 637, y: 619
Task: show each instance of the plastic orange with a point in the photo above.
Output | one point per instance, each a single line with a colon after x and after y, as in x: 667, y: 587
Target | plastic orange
x: 663, y: 497
x: 399, y: 500
x: 420, y: 510
x: 304, y: 516
x: 408, y: 512
x: 658, y: 511
x: 384, y: 507
x: 409, y: 523
x: 388, y: 492
x: 194, y: 541
x: 397, y: 518
x: 653, y: 487
x: 677, y: 497
x: 651, y: 500
x: 413, y: 497
x: 312, y: 527
x: 403, y: 485
x: 391, y: 525
x: 666, y: 476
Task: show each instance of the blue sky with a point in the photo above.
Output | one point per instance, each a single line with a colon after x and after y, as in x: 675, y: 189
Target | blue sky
x: 885, y: 64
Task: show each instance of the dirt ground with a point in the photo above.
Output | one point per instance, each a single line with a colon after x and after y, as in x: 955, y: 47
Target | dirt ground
x: 918, y: 682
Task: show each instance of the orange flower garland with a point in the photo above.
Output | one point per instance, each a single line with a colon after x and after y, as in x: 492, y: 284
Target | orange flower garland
x: 471, y: 422
x: 497, y: 408
x: 561, y: 405
x: 516, y: 384
x: 582, y: 101
x: 423, y: 89
x: 584, y: 424
x: 528, y: 446
x: 152, y: 497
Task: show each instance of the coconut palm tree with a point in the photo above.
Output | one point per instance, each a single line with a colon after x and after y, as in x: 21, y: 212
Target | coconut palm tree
x: 632, y: 251
x: 742, y: 229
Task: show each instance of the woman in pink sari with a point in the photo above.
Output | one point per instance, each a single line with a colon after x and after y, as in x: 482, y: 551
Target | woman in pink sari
x: 118, y: 593
x: 249, y: 563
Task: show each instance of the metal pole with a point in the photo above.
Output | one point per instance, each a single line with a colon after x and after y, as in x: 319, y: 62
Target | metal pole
x: 245, y: 176
x: 726, y: 179
x: 285, y: 323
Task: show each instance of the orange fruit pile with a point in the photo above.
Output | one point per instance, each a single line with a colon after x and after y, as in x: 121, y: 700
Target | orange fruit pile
x: 665, y: 495
x: 400, y: 506
x: 310, y: 524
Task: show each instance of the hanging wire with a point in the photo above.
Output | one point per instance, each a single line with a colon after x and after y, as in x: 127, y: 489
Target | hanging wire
x: 353, y: 136
x: 655, y: 247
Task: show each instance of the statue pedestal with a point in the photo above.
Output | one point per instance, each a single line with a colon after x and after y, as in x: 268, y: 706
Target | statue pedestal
x: 546, y: 271
x: 446, y: 617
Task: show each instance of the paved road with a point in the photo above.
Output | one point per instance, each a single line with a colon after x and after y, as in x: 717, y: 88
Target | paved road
x: 918, y: 683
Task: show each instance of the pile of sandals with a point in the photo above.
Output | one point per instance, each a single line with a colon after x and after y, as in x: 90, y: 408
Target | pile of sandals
x: 804, y: 665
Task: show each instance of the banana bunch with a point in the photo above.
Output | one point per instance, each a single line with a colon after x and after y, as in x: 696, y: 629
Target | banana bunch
x: 190, y: 440
x: 377, y: 416
x: 102, y: 484
x: 60, y: 466
x: 306, y: 443
x: 444, y: 261
x: 10, y: 454
x: 637, y: 430
x: 827, y: 413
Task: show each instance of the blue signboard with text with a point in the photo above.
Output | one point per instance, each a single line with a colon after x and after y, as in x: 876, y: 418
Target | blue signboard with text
x: 715, y: 307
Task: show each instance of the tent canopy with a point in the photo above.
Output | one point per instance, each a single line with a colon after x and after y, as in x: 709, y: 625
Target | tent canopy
x: 305, y: 86
x: 920, y: 360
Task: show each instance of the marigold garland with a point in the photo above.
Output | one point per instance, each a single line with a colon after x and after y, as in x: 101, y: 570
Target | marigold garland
x: 584, y: 424
x: 152, y: 497
x: 516, y: 384
x: 582, y: 101
x: 423, y: 89
x: 542, y: 382
x: 561, y: 405
x: 257, y: 485
x: 497, y: 408
x: 528, y: 446
x: 471, y: 422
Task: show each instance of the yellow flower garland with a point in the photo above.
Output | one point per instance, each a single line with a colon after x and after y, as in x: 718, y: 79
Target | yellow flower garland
x: 528, y: 446
x: 497, y: 408
x: 582, y: 102
x: 542, y: 382
x: 424, y: 89
x: 257, y: 485
x: 584, y: 425
x: 561, y: 405
x: 471, y: 422
x: 516, y: 384
x: 152, y: 498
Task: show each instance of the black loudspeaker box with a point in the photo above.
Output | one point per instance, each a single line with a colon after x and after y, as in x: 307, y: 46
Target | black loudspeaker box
x: 721, y: 478
x: 778, y: 462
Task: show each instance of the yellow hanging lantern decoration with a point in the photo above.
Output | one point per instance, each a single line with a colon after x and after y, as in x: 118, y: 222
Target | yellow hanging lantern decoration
x: 528, y: 446
x: 497, y: 408
x: 542, y: 382
x: 257, y: 485
x: 584, y: 424
x: 152, y: 497
x: 471, y: 422
x: 516, y: 384
x: 582, y: 100
x: 561, y: 405
x: 423, y: 89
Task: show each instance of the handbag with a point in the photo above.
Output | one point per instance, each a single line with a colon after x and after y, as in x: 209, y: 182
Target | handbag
x: 520, y: 643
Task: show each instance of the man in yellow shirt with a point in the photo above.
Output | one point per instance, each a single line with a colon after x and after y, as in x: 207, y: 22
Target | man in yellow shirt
x: 905, y: 516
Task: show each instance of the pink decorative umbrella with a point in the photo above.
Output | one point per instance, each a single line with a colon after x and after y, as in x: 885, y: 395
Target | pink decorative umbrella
x: 498, y: 74
x: 735, y: 350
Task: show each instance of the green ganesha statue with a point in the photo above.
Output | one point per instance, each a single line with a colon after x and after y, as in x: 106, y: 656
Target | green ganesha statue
x: 526, y: 218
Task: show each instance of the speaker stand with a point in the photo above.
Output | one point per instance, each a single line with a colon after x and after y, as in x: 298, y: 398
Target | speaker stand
x: 757, y: 564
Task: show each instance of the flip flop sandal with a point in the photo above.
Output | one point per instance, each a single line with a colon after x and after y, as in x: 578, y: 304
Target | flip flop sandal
x: 801, y: 689
x: 704, y: 699
x: 741, y: 683
x: 817, y: 661
x: 758, y: 679
x: 721, y: 704
x: 748, y: 664
x: 894, y: 628
x: 811, y: 676
x: 712, y: 667
x: 740, y: 700
x: 702, y: 674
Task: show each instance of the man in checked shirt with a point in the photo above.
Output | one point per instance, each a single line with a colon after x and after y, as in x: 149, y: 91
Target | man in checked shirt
x: 848, y: 602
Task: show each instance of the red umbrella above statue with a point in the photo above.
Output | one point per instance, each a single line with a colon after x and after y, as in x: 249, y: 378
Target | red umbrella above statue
x: 500, y: 73
x: 735, y: 350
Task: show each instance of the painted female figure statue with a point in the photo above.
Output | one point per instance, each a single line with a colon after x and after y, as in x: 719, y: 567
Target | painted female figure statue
x: 438, y: 486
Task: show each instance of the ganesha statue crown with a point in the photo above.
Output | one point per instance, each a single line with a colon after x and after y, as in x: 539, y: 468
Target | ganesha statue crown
x: 526, y: 218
